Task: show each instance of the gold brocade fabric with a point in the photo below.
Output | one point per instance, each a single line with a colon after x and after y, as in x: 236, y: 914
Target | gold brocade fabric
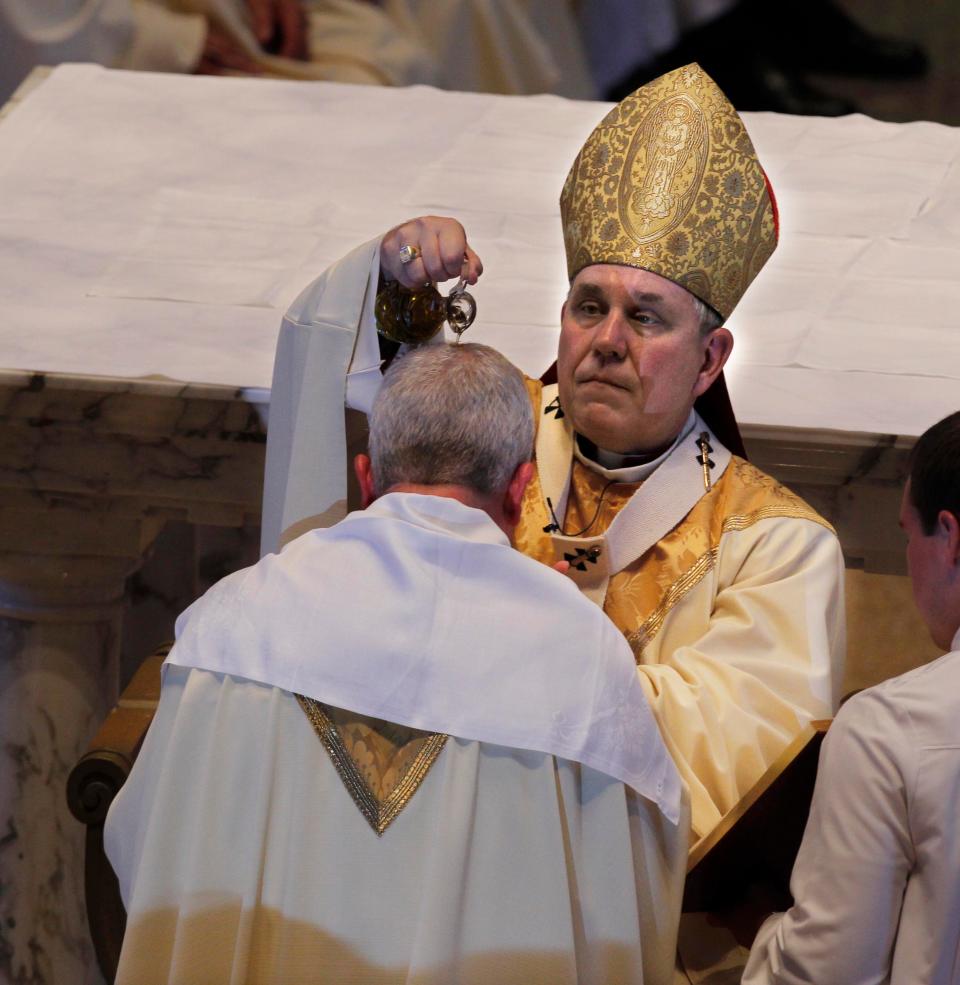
x: 669, y: 181
x: 641, y: 595
x: 381, y: 764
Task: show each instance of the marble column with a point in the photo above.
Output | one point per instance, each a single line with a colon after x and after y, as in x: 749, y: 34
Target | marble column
x: 60, y: 624
x: 91, y: 470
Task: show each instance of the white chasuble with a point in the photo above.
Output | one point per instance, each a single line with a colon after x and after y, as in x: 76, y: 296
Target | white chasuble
x: 243, y: 859
x: 542, y: 837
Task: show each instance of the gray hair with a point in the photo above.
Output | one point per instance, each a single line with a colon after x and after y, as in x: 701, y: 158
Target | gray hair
x: 450, y: 415
x: 709, y: 318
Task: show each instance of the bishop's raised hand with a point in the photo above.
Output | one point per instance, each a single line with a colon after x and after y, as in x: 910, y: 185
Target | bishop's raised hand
x: 429, y: 249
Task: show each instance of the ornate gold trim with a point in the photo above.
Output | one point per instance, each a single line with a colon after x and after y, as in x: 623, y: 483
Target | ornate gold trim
x: 740, y: 521
x: 379, y: 813
x: 649, y: 628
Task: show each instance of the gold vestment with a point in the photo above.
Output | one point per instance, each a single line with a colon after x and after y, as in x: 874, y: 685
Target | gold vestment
x: 735, y: 618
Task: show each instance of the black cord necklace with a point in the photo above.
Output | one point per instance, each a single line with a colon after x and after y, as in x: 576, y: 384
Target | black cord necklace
x: 555, y: 527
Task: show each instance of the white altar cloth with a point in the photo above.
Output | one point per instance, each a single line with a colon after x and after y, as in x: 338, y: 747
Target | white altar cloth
x: 159, y: 225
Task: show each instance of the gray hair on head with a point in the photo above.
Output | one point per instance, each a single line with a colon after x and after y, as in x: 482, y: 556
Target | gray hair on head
x: 709, y: 318
x: 450, y: 415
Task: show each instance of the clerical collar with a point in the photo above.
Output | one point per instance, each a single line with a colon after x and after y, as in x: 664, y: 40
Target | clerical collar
x: 624, y: 468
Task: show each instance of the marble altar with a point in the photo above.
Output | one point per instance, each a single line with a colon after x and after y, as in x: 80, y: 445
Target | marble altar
x: 92, y: 469
x: 152, y: 229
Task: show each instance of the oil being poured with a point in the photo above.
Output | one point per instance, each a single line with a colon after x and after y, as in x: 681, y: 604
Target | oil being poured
x: 413, y: 317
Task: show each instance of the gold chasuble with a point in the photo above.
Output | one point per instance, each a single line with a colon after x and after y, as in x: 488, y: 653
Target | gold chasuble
x: 727, y: 586
x: 734, y: 616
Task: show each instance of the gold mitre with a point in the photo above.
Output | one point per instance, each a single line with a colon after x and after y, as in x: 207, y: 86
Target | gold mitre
x: 669, y: 181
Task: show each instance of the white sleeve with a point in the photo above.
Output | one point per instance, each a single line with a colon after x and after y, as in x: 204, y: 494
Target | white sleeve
x: 328, y: 357
x: 849, y: 878
x: 753, y: 653
x: 319, y: 361
x: 364, y: 376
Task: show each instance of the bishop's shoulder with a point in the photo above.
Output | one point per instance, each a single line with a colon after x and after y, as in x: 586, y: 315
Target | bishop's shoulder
x: 750, y: 495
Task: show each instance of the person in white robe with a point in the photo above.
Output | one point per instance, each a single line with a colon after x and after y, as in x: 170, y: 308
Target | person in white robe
x: 728, y: 587
x: 136, y: 34
x: 876, y: 884
x: 401, y: 751
x: 506, y: 46
x: 342, y: 40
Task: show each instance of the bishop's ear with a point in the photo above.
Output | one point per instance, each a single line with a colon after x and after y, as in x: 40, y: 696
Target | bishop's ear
x: 717, y: 346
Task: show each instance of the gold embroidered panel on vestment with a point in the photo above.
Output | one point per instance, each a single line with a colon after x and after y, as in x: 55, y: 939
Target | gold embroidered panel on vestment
x: 529, y: 537
x: 381, y: 764
x: 640, y: 597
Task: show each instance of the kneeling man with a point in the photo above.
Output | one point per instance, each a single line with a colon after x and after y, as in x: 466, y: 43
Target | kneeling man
x: 400, y: 750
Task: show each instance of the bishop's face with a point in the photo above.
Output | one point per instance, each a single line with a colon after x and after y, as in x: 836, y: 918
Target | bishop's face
x: 631, y: 359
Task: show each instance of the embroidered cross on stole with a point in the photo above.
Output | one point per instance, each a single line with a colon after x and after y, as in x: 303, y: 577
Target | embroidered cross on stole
x: 665, y: 498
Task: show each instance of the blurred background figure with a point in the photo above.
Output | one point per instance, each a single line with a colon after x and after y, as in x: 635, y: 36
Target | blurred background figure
x: 759, y: 53
x: 151, y: 35
x: 818, y: 57
x: 514, y: 47
x: 506, y: 46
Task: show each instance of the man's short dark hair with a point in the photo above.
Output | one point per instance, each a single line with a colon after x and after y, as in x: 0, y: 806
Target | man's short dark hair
x: 935, y: 472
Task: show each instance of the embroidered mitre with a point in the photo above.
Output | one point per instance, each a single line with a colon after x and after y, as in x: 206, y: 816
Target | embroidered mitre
x: 669, y: 182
